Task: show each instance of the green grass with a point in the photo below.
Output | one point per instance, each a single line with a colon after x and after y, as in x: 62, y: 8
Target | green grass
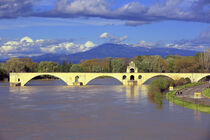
x: 206, y: 92
x: 172, y: 98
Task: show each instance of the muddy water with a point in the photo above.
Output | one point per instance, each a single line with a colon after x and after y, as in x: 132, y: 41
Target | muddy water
x: 94, y: 112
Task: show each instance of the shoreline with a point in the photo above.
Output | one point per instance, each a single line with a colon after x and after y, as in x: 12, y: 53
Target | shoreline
x: 190, y: 103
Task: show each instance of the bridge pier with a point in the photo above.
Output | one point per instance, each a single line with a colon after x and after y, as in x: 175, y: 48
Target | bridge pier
x: 15, y: 84
x: 77, y: 84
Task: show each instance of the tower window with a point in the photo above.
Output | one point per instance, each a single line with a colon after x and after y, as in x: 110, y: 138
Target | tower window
x: 132, y: 70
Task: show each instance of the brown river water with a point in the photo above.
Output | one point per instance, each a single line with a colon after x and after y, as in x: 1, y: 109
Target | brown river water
x: 106, y: 111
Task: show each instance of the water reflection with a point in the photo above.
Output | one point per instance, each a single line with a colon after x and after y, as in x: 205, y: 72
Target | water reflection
x: 197, y: 115
x: 171, y: 106
x: 134, y: 93
x: 157, y: 99
x: 23, y: 90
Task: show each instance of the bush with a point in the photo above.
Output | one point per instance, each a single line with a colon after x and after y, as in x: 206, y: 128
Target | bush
x: 206, y: 92
x: 182, y: 81
x: 159, y: 85
x: 156, y: 87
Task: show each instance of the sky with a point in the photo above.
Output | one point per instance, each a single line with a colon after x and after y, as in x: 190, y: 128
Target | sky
x: 35, y: 27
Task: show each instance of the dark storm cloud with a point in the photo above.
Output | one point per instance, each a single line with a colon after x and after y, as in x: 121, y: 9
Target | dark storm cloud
x: 15, y: 8
x: 133, y: 13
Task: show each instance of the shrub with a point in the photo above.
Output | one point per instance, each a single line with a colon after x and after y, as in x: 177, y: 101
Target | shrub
x: 182, y: 81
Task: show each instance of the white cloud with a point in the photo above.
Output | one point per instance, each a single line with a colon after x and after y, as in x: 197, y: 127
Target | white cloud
x: 90, y: 44
x: 104, y: 35
x: 146, y: 44
x: 27, y: 47
x: 112, y: 38
x: 26, y: 39
x: 68, y: 47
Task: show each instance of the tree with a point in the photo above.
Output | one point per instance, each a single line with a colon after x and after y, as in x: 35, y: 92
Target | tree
x: 48, y: 66
x: 118, y: 65
x: 65, y: 67
x: 29, y: 65
x: 204, y: 60
x: 147, y: 63
x: 138, y: 61
x: 169, y: 60
x: 76, y: 68
x: 97, y: 65
x: 15, y: 65
x: 20, y: 65
x: 186, y: 64
x: 160, y: 66
x: 3, y: 73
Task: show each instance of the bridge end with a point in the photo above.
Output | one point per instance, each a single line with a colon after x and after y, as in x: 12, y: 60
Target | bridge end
x: 14, y: 79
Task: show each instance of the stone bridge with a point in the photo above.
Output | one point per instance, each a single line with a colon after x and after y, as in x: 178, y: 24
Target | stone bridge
x: 129, y: 78
x: 22, y: 79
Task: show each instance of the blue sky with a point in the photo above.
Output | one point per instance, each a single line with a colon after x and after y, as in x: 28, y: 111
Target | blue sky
x: 70, y: 26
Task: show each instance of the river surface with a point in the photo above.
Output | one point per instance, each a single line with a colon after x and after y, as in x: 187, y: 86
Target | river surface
x: 106, y: 111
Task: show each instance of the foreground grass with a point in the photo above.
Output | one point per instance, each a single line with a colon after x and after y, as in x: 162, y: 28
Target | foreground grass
x: 198, y: 107
x: 206, y: 92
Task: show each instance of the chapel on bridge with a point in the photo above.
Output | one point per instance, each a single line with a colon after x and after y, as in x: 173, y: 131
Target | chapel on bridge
x: 131, y: 68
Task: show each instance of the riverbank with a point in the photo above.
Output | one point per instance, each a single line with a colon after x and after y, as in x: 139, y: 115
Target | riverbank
x: 186, y: 99
x: 206, y: 92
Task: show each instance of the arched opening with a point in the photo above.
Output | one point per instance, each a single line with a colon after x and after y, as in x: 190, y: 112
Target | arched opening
x: 18, y: 79
x: 45, y: 80
x: 205, y: 79
x: 124, y: 77
x: 188, y: 80
x: 104, y: 80
x: 140, y: 77
x: 156, y: 77
x: 77, y: 79
x: 132, y: 78
x: 132, y: 70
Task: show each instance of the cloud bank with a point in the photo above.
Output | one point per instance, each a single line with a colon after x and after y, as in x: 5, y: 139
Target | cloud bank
x: 28, y: 47
x: 133, y: 13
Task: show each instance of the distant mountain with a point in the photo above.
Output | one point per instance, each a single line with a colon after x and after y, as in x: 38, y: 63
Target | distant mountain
x: 113, y: 50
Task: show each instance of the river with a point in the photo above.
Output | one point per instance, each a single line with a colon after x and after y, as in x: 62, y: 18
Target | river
x: 106, y: 111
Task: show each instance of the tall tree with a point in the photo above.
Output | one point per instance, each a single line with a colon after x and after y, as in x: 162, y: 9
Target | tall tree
x: 48, y: 66
x: 204, y: 59
x: 97, y: 65
x: 65, y: 67
x: 186, y: 64
x: 15, y: 65
x: 76, y: 68
x: 118, y: 65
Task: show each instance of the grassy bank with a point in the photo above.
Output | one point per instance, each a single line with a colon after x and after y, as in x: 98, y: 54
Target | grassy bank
x: 156, y: 89
x: 206, y: 92
x: 159, y: 86
x: 172, y: 98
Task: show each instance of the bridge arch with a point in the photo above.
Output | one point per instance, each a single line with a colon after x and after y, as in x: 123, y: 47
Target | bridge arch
x: 28, y: 79
x: 145, y: 80
x: 207, y: 76
x: 118, y: 78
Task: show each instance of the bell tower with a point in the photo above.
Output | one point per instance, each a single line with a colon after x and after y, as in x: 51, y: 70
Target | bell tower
x: 131, y: 68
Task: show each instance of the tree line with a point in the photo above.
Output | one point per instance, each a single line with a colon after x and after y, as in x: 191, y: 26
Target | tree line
x: 172, y: 63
